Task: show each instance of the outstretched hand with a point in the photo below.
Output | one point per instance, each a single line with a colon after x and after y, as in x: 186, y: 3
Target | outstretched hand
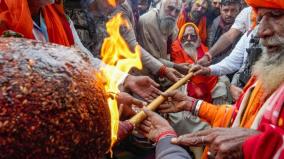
x: 222, y: 142
x: 143, y: 86
x: 154, y: 125
x: 176, y: 102
x: 126, y: 102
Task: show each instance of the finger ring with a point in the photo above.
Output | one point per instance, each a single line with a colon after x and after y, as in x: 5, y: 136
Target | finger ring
x: 211, y: 155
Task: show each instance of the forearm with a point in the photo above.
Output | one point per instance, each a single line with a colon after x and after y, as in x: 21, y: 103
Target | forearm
x: 225, y: 41
x: 166, y: 150
x: 168, y: 63
x: 217, y: 116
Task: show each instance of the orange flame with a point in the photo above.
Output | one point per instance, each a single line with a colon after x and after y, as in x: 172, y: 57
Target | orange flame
x: 112, y: 2
x: 115, y: 52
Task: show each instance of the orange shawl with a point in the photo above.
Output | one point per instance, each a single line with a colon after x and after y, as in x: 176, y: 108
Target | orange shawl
x: 15, y: 15
x: 202, y: 26
x: 200, y: 86
x: 224, y: 116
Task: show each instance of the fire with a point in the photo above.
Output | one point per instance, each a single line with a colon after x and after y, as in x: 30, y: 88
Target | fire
x: 112, y: 2
x: 115, y: 52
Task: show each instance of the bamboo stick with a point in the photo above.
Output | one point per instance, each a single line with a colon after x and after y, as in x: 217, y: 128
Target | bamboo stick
x: 159, y: 100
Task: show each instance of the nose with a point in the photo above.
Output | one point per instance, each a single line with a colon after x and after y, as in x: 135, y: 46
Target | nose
x: 264, y: 28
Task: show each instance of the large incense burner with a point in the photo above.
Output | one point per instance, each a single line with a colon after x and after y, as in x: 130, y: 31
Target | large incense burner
x: 52, y: 102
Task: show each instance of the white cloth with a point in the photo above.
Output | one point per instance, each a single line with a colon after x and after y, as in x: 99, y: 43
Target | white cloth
x: 236, y: 60
x: 243, y: 21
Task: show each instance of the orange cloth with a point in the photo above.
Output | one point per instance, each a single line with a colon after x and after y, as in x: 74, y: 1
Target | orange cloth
x: 200, y: 86
x: 274, y: 4
x: 15, y: 15
x: 223, y: 116
x: 184, y: 17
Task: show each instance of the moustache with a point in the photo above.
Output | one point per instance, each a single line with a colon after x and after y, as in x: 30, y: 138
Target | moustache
x: 275, y: 40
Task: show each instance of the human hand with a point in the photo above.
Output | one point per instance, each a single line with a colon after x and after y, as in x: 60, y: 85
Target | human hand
x: 143, y: 86
x: 172, y: 74
x: 176, y: 102
x: 222, y: 142
x: 125, y: 103
x: 235, y: 92
x: 204, y: 61
x: 182, y: 68
x: 154, y: 125
x: 200, y: 70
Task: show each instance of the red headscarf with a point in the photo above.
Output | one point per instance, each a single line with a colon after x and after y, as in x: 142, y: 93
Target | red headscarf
x: 15, y: 15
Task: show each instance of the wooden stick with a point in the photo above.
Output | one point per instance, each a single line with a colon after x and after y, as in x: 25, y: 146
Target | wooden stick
x: 159, y: 100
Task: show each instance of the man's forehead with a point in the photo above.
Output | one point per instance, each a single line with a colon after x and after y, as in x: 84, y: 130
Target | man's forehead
x: 189, y: 29
x: 263, y: 11
x: 176, y: 3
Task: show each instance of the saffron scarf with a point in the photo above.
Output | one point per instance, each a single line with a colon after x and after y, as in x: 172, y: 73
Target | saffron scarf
x: 15, y: 16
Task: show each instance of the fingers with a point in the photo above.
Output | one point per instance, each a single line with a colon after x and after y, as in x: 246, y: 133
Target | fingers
x: 148, y: 112
x: 169, y: 94
x: 195, y: 139
x: 179, y: 75
x: 152, y: 82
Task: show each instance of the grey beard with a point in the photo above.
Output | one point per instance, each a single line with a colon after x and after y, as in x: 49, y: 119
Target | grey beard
x: 269, y: 70
x: 190, y: 49
x: 167, y: 25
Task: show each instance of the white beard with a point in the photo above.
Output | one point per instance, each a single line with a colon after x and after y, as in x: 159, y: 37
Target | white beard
x: 270, y: 70
x: 191, y: 48
x: 191, y: 51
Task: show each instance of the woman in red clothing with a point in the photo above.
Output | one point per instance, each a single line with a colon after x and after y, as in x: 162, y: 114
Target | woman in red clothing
x: 188, y: 48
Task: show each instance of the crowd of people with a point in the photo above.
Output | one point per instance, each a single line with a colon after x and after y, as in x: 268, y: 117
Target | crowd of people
x: 231, y: 108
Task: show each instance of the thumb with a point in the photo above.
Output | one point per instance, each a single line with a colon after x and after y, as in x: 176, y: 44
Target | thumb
x: 148, y: 112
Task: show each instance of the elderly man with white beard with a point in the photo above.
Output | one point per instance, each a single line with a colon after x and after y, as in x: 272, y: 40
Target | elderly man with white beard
x: 257, y: 118
x: 156, y: 28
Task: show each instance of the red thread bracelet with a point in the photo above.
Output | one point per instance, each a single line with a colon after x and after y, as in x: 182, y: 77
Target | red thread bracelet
x: 163, y: 71
x: 166, y: 133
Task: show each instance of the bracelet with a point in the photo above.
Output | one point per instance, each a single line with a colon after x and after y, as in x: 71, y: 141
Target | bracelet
x: 197, y: 107
x: 166, y: 133
x: 209, y: 56
x: 163, y: 71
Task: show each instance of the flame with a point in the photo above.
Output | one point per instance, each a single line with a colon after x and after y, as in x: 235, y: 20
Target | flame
x: 112, y: 2
x: 116, y: 53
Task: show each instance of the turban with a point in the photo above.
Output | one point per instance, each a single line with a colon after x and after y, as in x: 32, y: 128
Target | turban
x: 274, y: 4
x: 182, y: 29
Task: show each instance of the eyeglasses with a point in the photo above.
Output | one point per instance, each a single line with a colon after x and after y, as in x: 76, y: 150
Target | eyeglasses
x: 193, y: 37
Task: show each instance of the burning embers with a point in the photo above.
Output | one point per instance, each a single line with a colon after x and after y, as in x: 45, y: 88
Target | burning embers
x: 52, y: 104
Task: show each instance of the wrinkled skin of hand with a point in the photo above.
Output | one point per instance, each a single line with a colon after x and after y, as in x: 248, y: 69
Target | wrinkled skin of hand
x: 176, y: 102
x: 182, y: 68
x: 125, y: 104
x: 143, y: 86
x: 223, y: 142
x: 235, y: 92
x: 204, y: 61
x: 154, y: 125
x: 200, y: 70
x: 173, y: 75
